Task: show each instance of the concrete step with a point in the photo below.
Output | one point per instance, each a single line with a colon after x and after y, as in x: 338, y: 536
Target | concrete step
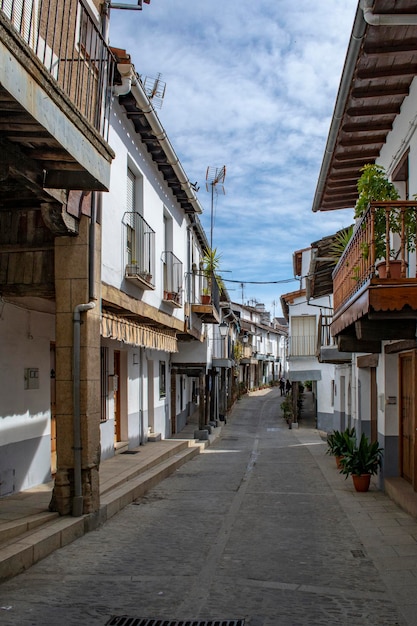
x: 46, y: 532
x: 116, y: 499
x: 10, y: 530
x: 116, y: 472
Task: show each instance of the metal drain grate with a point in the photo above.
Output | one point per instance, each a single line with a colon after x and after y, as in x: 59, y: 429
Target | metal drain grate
x: 131, y: 452
x: 139, y: 621
x: 358, y: 554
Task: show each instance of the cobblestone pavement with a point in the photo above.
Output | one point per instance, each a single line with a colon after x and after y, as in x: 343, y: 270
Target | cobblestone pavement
x: 250, y: 529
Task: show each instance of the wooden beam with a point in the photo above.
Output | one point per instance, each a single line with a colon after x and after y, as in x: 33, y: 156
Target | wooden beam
x: 385, y: 329
x: 347, y: 343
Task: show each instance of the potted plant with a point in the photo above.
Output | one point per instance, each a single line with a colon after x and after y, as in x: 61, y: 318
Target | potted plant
x: 373, y: 185
x: 361, y: 462
x: 339, y: 442
x: 211, y: 264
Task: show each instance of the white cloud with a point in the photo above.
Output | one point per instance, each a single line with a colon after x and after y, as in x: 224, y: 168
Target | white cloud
x: 251, y: 85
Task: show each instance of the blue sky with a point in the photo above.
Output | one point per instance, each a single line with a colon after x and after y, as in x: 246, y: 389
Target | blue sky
x: 249, y: 85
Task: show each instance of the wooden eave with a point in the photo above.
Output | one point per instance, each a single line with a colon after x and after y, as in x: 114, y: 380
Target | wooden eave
x: 385, y: 67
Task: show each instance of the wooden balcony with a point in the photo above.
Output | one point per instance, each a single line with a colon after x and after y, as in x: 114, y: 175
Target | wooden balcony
x: 375, y: 298
x: 54, y: 104
x: 207, y: 306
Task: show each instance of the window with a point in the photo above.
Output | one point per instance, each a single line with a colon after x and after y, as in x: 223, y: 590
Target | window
x: 303, y: 335
x: 140, y: 238
x: 162, y: 379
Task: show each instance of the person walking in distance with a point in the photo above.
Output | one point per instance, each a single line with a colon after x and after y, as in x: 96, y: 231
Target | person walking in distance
x: 288, y: 387
x: 282, y: 385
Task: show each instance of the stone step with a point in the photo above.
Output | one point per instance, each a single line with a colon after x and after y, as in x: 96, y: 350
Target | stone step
x: 46, y: 533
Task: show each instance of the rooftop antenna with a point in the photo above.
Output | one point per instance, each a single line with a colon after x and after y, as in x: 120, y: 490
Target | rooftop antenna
x: 214, y: 181
x: 155, y: 90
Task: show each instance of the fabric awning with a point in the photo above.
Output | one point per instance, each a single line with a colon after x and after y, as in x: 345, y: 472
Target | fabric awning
x: 114, y: 327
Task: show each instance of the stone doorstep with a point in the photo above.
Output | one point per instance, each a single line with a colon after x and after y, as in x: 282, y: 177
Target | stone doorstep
x: 14, y: 528
x: 32, y: 546
x: 22, y: 551
x: 131, y: 468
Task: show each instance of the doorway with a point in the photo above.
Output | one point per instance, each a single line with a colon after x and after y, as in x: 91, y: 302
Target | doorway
x: 53, y: 407
x: 116, y: 397
x: 407, y: 415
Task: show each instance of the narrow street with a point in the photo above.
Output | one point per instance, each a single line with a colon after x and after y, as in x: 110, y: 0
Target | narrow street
x: 260, y: 527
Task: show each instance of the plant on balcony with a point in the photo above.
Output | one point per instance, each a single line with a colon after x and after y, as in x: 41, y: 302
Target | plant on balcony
x: 211, y: 265
x: 373, y: 185
x: 340, y: 242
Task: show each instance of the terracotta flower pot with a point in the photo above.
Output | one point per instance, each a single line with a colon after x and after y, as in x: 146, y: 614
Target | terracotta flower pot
x: 394, y: 267
x: 338, y: 462
x: 361, y: 483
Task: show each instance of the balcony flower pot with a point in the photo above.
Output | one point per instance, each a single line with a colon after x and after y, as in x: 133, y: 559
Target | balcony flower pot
x: 394, y: 266
x: 205, y: 298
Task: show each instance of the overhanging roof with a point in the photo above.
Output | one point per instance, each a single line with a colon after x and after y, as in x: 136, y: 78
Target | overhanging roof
x: 380, y: 64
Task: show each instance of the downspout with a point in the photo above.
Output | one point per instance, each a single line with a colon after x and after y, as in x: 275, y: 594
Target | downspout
x: 77, y: 502
x: 386, y: 19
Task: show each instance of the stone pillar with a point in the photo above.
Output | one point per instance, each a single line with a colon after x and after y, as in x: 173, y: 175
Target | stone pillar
x: 71, y: 289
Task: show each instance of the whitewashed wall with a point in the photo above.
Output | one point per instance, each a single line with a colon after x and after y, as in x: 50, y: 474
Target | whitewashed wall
x: 25, y: 424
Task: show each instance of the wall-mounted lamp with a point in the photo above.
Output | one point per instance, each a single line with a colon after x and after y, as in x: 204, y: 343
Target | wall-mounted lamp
x: 245, y: 338
x: 223, y: 329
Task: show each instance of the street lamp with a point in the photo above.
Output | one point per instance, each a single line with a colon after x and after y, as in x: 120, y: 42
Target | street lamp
x: 223, y: 329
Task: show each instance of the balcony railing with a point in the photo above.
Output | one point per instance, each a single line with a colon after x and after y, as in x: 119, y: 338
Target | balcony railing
x: 387, y: 233
x: 173, y: 278
x: 324, y: 336
x: 139, y: 250
x: 69, y: 44
x: 302, y: 345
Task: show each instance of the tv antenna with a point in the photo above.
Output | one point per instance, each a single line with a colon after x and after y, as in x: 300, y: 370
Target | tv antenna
x: 155, y: 90
x: 214, y: 182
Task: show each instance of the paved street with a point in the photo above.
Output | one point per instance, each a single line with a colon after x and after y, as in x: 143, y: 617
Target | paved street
x: 259, y: 527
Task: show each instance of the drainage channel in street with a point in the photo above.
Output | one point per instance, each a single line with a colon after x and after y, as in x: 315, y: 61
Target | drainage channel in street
x: 124, y: 620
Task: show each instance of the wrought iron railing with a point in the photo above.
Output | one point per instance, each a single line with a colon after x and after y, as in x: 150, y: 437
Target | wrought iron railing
x: 68, y: 42
x: 383, y: 238
x: 139, y: 248
x: 173, y: 277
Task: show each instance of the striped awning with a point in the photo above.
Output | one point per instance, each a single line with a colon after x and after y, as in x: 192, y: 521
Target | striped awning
x: 114, y: 327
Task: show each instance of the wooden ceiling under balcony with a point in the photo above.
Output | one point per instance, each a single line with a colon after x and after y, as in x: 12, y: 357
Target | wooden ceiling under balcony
x: 385, y: 67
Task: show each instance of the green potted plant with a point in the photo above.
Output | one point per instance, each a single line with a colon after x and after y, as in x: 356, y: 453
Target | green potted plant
x: 361, y: 461
x: 338, y: 443
x: 211, y: 264
x: 373, y: 185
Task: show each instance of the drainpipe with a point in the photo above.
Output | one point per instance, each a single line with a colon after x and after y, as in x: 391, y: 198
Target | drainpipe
x: 77, y: 502
x: 385, y: 19
x: 126, y: 73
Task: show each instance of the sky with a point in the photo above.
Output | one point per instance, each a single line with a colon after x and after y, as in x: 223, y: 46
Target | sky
x: 252, y: 86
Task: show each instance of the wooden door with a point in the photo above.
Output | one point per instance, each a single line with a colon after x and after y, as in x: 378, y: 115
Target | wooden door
x: 374, y: 405
x: 407, y: 416
x: 116, y: 396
